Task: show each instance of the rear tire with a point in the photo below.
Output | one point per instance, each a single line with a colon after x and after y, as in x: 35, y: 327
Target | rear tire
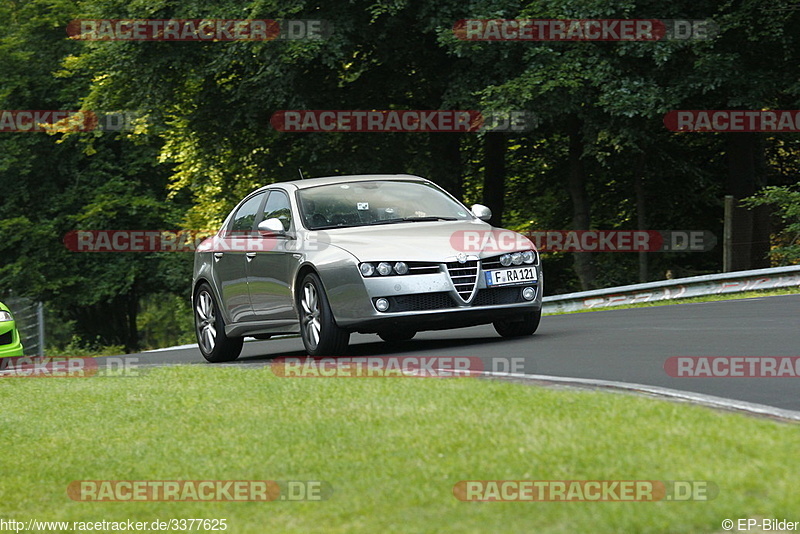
x: 525, y: 326
x: 321, y: 335
x: 215, y: 346
x: 397, y: 335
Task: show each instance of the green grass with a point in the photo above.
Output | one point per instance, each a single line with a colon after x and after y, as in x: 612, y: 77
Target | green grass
x: 694, y: 300
x: 391, y: 448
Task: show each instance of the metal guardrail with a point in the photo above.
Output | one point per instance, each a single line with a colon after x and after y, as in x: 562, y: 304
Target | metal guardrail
x: 695, y: 286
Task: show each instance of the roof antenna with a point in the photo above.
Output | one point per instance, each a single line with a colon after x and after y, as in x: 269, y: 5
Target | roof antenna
x: 301, y: 173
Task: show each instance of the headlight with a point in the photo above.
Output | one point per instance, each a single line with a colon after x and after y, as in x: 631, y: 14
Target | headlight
x: 5, y: 316
x: 384, y: 268
x: 528, y: 256
x: 367, y: 269
x: 516, y: 258
x: 505, y: 260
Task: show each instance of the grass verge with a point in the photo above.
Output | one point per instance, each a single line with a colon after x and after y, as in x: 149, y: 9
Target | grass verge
x: 391, y: 449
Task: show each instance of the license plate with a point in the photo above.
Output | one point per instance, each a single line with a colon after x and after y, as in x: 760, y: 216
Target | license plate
x: 501, y: 277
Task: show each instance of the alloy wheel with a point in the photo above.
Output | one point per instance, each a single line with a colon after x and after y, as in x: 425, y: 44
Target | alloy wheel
x: 311, y: 314
x: 206, y: 322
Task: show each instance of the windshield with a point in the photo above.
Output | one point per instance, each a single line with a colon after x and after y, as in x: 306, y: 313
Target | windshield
x: 376, y: 202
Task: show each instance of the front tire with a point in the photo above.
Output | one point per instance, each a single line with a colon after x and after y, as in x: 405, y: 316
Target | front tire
x: 525, y: 326
x: 321, y: 335
x: 215, y: 346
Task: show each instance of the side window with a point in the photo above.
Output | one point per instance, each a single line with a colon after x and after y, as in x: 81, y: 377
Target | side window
x: 244, y: 221
x: 277, y: 207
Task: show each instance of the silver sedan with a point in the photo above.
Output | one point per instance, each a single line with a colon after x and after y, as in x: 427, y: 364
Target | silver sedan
x: 384, y: 254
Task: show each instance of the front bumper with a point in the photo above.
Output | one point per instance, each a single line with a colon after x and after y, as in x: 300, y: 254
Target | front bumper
x: 442, y: 319
x: 428, y: 301
x: 10, y: 344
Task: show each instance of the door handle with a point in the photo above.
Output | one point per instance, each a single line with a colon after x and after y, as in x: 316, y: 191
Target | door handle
x: 218, y: 256
x: 250, y: 256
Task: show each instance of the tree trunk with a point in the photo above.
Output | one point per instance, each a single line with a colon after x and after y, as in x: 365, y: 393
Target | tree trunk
x: 446, y: 148
x: 750, y: 228
x: 641, y: 214
x: 581, y: 216
x: 494, y: 178
x: 132, y: 332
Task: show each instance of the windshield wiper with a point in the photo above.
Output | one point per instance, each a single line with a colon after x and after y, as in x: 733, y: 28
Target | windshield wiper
x: 332, y: 226
x: 413, y: 219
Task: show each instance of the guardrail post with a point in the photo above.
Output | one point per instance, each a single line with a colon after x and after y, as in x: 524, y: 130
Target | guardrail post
x: 727, y: 235
x: 40, y: 321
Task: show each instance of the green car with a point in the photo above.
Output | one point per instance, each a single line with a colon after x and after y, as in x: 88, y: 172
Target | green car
x: 10, y: 344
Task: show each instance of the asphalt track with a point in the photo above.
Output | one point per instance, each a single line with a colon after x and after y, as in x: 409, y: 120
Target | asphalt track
x: 630, y: 345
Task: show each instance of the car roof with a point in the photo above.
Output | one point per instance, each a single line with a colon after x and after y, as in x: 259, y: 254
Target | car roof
x: 313, y: 182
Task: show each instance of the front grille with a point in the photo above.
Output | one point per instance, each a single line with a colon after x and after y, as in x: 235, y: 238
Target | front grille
x: 491, y: 263
x: 443, y: 300
x: 420, y: 302
x: 498, y: 296
x: 464, y: 275
x: 7, y: 338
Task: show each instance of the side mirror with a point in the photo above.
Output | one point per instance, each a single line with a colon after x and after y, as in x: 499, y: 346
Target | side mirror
x: 271, y: 227
x: 482, y: 212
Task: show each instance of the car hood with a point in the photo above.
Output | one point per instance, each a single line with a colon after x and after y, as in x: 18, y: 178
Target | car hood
x: 435, y: 241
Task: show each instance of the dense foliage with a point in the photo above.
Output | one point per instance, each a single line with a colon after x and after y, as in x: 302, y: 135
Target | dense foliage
x: 600, y: 156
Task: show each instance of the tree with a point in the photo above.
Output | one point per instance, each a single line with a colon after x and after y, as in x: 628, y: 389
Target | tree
x: 53, y: 183
x: 785, y: 201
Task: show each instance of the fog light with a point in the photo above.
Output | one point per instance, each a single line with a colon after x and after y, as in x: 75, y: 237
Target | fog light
x: 401, y: 267
x: 381, y: 305
x: 528, y: 256
x: 528, y: 293
x: 505, y: 260
x: 384, y: 268
x: 516, y: 258
x: 367, y: 269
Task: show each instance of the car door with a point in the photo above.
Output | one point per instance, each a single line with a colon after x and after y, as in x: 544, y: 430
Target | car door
x: 269, y: 267
x: 230, y: 261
